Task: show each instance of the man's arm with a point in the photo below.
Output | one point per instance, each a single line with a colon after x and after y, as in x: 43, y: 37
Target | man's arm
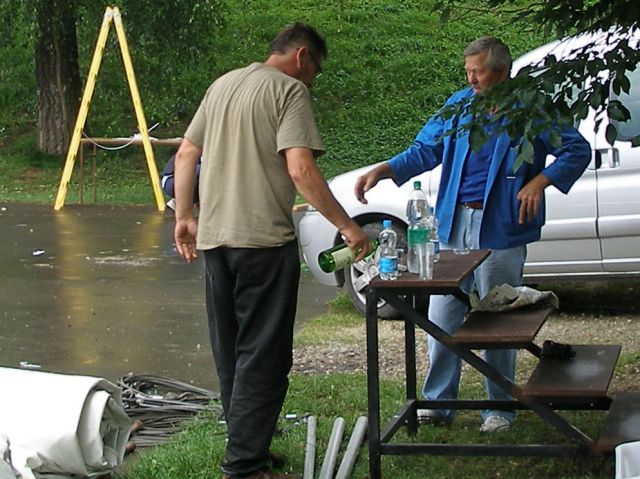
x: 424, y: 154
x: 572, y: 158
x: 184, y: 183
x: 313, y: 187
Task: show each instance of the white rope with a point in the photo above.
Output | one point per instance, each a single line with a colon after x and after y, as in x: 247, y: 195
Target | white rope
x: 134, y: 137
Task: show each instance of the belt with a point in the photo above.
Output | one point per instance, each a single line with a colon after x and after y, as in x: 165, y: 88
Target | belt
x: 473, y: 205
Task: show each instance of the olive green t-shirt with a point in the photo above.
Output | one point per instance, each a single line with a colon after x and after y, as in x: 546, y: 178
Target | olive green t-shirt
x: 247, y: 118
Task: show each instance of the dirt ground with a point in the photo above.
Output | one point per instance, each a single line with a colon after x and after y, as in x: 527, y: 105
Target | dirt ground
x: 589, y: 313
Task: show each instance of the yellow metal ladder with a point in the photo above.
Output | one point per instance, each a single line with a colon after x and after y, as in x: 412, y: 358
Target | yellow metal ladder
x: 111, y: 15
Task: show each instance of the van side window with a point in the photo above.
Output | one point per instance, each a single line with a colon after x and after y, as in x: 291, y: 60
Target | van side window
x: 627, y: 130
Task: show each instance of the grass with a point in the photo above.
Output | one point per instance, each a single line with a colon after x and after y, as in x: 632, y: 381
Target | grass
x: 33, y: 177
x: 197, y: 452
x: 389, y: 68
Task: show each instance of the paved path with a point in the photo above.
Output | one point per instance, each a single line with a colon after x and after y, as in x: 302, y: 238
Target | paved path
x: 101, y: 291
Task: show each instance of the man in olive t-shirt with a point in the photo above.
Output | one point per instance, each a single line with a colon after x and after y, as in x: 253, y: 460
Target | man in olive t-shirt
x: 258, y: 138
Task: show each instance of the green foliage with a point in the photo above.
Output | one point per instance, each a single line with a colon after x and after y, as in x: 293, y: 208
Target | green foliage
x: 389, y: 68
x: 168, y: 59
x: 547, y: 91
x: 17, y: 66
x: 558, y: 17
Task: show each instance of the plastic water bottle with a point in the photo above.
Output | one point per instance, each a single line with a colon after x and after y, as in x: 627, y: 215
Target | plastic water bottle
x: 434, y: 237
x: 341, y: 256
x: 388, y: 261
x: 418, y: 230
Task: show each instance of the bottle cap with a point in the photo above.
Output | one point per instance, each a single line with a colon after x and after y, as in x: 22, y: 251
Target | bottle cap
x: 386, y: 223
x: 417, y: 185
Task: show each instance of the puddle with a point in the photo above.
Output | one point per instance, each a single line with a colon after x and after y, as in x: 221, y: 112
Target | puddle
x: 107, y: 294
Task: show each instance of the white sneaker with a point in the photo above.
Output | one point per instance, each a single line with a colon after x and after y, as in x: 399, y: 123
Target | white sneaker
x: 495, y: 424
x: 171, y: 204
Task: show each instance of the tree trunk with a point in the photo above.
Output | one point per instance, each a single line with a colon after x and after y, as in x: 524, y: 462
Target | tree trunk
x: 57, y: 74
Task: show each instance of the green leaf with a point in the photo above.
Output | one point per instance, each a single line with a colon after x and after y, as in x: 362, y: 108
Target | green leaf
x: 617, y: 111
x: 615, y: 85
x: 611, y: 134
x: 555, y: 139
x: 623, y: 81
x: 477, y: 138
x: 525, y: 154
x: 595, y: 99
x: 550, y: 60
x: 580, y: 109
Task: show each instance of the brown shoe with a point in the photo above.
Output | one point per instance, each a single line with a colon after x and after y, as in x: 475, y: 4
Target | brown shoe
x: 267, y: 475
x: 277, y: 475
x: 277, y: 460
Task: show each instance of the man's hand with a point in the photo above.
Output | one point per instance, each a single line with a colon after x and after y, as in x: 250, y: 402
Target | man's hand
x: 530, y: 197
x: 357, y: 240
x: 370, y: 179
x: 185, y: 238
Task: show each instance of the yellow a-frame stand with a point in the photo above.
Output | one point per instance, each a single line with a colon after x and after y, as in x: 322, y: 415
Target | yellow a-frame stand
x: 110, y: 15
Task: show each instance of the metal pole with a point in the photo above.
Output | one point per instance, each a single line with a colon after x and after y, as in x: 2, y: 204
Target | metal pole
x: 331, y: 456
x: 353, y: 448
x: 310, y: 448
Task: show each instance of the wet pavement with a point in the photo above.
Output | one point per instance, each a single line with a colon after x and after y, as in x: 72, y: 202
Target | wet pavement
x: 101, y: 291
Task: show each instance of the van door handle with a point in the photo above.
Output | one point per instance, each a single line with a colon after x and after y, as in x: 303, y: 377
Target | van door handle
x: 612, y: 155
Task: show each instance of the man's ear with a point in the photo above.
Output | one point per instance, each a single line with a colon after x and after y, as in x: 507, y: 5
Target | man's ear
x: 504, y: 74
x: 299, y: 53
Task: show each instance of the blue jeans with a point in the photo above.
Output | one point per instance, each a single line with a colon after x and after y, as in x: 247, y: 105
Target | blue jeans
x: 502, y: 266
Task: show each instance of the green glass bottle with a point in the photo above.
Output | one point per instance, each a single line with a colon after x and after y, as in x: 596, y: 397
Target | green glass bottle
x: 341, y: 256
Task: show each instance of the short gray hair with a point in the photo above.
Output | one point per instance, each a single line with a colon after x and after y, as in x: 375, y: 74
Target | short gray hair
x: 499, y: 56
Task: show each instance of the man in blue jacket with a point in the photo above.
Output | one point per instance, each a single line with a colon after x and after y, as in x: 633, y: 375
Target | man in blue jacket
x: 482, y: 203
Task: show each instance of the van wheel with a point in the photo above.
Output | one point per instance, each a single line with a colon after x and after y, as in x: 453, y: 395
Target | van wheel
x: 358, y: 275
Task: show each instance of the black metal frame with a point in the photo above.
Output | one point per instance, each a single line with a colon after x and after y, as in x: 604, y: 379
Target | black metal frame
x: 404, y: 300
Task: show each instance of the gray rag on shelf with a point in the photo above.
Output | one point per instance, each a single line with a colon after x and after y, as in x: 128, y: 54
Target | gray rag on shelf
x: 506, y: 297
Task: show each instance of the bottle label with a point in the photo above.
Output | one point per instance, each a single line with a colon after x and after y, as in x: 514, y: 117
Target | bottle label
x: 417, y: 236
x: 388, y: 265
x: 343, y: 258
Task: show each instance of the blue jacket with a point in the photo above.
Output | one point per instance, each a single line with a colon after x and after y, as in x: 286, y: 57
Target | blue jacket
x: 499, y: 228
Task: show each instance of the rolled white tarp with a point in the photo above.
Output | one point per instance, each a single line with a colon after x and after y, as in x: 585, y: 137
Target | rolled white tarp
x: 6, y: 469
x: 62, y: 425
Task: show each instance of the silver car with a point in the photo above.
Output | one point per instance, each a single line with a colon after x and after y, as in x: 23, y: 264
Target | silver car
x: 591, y: 233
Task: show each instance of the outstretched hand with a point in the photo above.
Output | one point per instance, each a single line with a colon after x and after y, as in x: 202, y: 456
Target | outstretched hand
x: 370, y: 179
x: 364, y: 183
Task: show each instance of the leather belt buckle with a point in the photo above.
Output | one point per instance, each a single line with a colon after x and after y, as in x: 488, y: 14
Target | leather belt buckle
x: 473, y: 205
